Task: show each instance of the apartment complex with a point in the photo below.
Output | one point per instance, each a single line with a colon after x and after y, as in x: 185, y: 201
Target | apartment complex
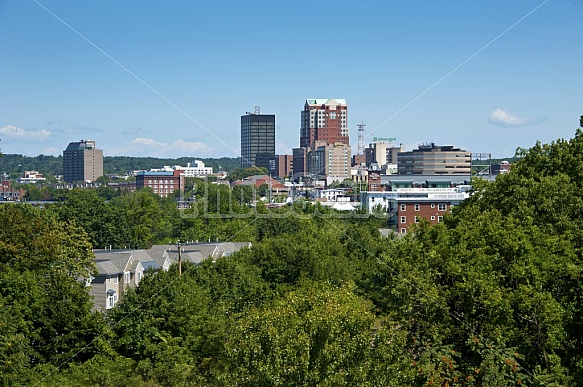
x: 324, y: 120
x: 434, y: 159
x: 82, y: 162
x: 257, y: 140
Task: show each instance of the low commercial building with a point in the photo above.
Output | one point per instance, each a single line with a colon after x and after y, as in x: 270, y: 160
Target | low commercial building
x: 195, y: 169
x: 434, y: 159
x: 31, y: 177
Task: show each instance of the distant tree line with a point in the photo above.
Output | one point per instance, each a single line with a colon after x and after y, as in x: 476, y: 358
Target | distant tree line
x: 15, y: 164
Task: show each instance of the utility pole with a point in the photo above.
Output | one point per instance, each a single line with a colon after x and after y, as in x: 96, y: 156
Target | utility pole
x: 179, y: 258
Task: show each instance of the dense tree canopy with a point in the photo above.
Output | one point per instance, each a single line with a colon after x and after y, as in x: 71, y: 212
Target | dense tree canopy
x: 490, y: 297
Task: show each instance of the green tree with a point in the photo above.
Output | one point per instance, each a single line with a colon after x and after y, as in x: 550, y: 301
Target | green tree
x: 107, y: 225
x: 47, y: 315
x: 150, y: 219
x: 241, y: 173
x: 313, y: 336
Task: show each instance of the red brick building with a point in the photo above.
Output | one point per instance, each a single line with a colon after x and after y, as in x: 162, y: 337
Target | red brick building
x: 163, y: 183
x: 374, y: 179
x: 324, y: 120
x: 412, y: 210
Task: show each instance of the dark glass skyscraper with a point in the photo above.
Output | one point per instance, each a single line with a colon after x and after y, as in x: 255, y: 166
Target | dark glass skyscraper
x: 257, y: 140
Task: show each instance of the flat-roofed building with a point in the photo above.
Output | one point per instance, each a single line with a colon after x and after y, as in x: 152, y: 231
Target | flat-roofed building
x: 433, y: 159
x: 300, y: 161
x: 162, y: 183
x: 283, y: 165
x: 82, y: 162
x: 257, y: 140
x: 331, y: 160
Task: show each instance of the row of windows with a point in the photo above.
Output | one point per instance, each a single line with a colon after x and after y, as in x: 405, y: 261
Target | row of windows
x: 127, y: 277
x: 418, y: 219
x: 417, y: 206
x: 161, y: 181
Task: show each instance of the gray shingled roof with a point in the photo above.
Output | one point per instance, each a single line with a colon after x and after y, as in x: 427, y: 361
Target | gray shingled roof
x: 106, y: 267
x: 109, y: 262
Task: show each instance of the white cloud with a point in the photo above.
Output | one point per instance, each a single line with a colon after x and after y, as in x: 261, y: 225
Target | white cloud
x: 503, y: 118
x: 282, y: 149
x: 142, y: 146
x: 10, y: 132
x: 148, y: 142
x: 52, y: 151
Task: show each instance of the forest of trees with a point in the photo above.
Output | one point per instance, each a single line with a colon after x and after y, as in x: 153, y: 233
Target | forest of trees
x: 493, y: 296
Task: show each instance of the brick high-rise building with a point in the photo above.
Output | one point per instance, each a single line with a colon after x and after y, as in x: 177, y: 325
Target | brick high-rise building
x: 324, y: 120
x: 82, y: 162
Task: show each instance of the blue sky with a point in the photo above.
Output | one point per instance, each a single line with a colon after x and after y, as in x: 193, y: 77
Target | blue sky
x: 171, y: 79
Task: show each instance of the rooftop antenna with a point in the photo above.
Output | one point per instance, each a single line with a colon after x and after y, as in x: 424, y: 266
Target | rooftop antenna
x: 257, y: 109
x: 361, y: 138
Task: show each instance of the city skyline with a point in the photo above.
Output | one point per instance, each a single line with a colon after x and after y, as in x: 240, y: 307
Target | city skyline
x: 174, y: 80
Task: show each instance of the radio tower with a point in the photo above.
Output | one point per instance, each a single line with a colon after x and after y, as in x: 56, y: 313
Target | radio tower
x: 361, y: 138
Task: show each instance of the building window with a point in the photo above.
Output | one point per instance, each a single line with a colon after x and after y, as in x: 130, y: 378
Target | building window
x: 403, y: 207
x: 115, y: 280
x: 441, y: 207
x: 111, y: 299
x: 403, y: 230
x: 416, y: 219
x: 126, y: 277
x: 417, y: 206
x: 432, y: 205
x: 138, y: 277
x: 440, y: 219
x: 403, y: 219
x: 432, y: 217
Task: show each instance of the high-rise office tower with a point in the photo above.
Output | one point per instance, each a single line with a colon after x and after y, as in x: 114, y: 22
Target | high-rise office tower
x: 82, y: 162
x: 324, y: 120
x: 258, y: 140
